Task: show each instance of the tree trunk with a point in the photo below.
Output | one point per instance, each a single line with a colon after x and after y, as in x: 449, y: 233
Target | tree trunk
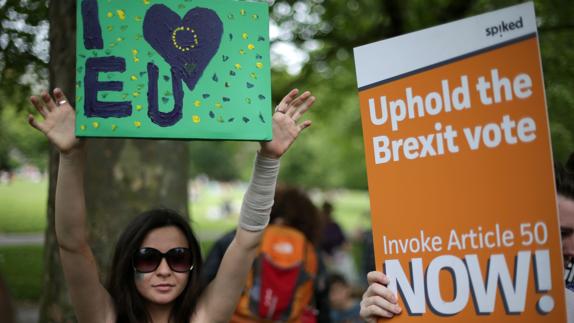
x: 123, y: 177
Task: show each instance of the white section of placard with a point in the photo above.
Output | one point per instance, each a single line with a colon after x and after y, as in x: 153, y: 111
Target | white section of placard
x: 420, y: 49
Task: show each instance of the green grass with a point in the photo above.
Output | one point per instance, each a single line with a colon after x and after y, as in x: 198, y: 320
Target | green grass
x: 21, y: 268
x: 352, y: 210
x: 205, y: 247
x: 207, y: 203
x: 23, y: 206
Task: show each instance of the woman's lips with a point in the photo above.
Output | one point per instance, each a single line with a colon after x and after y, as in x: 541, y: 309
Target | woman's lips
x: 163, y: 287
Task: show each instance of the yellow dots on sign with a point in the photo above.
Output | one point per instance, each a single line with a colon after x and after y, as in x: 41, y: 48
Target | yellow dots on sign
x: 184, y: 48
x: 135, y: 52
x: 136, y: 94
x: 218, y: 105
x: 259, y: 65
x: 254, y: 17
x: 119, y: 39
x: 137, y: 124
x: 139, y: 107
x: 138, y: 18
x: 121, y: 14
x: 238, y: 66
x: 242, y: 12
x: 83, y: 127
x: 251, y: 46
x: 146, y: 2
x: 196, y: 119
x: 110, y: 28
x: 133, y: 78
x: 253, y: 76
x: 110, y: 14
x: 95, y: 124
x: 197, y: 103
x: 244, y: 36
x: 114, y: 127
x: 242, y: 52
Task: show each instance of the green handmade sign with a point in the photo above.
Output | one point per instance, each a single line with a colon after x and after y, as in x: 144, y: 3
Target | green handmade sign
x: 195, y: 69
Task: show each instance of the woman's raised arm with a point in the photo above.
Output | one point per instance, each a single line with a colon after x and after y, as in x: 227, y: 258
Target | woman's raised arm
x: 91, y: 301
x: 219, y: 301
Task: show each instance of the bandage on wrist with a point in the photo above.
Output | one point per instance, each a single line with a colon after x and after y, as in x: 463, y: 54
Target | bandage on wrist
x: 258, y: 199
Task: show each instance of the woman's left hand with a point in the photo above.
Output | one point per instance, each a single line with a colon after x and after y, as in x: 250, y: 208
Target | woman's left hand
x: 285, y: 126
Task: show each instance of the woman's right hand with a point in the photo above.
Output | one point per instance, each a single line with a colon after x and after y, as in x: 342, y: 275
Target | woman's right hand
x: 59, y: 120
x: 378, y: 301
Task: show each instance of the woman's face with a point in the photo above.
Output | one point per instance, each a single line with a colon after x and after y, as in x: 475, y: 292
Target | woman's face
x: 339, y: 293
x: 163, y: 285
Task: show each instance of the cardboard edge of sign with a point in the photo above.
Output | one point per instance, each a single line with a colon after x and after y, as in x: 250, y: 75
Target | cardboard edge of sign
x: 267, y: 137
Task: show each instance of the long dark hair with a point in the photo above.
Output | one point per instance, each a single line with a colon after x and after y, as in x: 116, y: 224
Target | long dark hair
x: 294, y: 206
x: 128, y: 303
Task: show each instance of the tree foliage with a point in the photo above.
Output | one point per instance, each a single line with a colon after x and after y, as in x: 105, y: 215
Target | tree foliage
x: 334, y: 152
x: 331, y: 154
x: 18, y: 145
x: 23, y: 60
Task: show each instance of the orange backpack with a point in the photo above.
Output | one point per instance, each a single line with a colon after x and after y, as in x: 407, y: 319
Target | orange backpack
x: 281, y: 282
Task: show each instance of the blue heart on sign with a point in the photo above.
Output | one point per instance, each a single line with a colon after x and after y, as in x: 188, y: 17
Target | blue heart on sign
x: 187, y: 44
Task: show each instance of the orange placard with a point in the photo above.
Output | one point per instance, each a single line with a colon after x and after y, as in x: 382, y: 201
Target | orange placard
x: 461, y: 184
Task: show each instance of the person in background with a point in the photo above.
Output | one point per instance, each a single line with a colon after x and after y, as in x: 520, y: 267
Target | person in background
x: 367, y: 256
x: 336, y: 248
x: 295, y: 218
x: 565, y: 190
x: 344, y: 308
x: 332, y: 236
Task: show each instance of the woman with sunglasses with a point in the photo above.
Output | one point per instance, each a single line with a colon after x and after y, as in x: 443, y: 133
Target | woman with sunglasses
x: 155, y: 269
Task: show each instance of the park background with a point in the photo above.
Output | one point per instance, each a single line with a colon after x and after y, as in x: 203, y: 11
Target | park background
x: 312, y: 43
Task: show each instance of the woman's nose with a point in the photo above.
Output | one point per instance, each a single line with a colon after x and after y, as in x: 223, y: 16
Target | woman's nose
x: 163, y: 268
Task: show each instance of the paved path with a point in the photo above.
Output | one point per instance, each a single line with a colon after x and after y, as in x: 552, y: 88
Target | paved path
x: 20, y: 239
x: 27, y: 312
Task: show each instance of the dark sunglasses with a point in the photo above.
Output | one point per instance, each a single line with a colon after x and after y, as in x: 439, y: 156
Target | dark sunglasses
x: 147, y: 260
